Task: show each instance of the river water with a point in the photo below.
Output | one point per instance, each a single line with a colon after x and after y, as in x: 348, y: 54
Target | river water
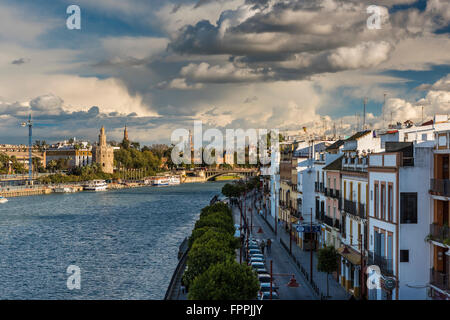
x: 125, y: 242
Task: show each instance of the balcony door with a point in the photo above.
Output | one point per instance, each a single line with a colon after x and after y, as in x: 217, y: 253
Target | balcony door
x: 445, y: 170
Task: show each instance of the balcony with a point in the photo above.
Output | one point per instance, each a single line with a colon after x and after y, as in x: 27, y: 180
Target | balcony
x: 321, y: 187
x: 337, y: 224
x: 385, y: 264
x: 440, y: 280
x: 355, y: 209
x: 320, y: 215
x: 328, y: 220
x: 440, y: 187
x: 439, y: 233
x: 316, y: 186
x: 335, y: 194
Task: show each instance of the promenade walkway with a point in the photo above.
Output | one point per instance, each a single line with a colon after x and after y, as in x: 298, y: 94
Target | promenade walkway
x: 336, y: 291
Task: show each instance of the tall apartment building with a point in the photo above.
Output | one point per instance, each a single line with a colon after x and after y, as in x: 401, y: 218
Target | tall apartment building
x: 439, y: 237
x: 399, y: 220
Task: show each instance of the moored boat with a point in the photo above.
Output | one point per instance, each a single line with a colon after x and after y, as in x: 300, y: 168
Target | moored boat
x: 96, y: 185
x: 3, y: 200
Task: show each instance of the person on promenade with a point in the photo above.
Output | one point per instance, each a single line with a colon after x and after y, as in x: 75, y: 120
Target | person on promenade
x: 183, y: 288
x: 263, y: 245
x: 269, y: 244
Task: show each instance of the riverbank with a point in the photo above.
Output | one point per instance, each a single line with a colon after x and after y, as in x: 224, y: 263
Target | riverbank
x: 25, y: 191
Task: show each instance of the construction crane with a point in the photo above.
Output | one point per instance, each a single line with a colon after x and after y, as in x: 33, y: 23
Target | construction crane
x: 29, y: 124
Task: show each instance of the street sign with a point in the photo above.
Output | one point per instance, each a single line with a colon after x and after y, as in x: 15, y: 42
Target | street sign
x: 389, y: 283
x: 308, y: 229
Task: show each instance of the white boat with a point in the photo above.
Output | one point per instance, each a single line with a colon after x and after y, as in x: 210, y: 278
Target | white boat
x: 174, y: 180
x: 166, y: 181
x: 163, y: 181
x: 96, y: 185
x: 3, y: 200
x: 64, y: 190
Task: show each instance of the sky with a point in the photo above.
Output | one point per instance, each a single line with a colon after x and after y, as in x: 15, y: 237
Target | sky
x: 157, y: 66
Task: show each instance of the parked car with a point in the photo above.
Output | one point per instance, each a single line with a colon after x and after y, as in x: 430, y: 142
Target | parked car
x: 265, y: 277
x: 257, y: 255
x: 266, y: 296
x: 254, y: 251
x: 256, y: 259
x: 257, y: 265
x: 265, y: 287
x: 261, y: 270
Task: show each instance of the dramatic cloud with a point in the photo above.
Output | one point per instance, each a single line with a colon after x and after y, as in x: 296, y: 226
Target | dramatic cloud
x: 19, y: 61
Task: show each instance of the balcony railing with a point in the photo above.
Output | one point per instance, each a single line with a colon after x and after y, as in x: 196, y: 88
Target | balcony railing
x: 440, y: 280
x: 321, y: 187
x: 355, y: 209
x: 385, y: 264
x: 316, y: 186
x: 440, y: 186
x: 320, y: 215
x: 337, y: 224
x: 439, y: 233
x: 328, y: 220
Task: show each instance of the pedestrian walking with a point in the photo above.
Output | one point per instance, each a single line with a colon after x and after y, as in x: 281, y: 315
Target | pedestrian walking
x: 269, y: 245
x: 263, y: 245
x: 183, y: 288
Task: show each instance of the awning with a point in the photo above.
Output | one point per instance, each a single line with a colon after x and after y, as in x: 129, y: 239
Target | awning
x: 352, y: 256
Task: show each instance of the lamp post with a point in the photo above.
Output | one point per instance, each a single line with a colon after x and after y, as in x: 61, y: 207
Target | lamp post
x: 311, y: 253
x: 291, y: 284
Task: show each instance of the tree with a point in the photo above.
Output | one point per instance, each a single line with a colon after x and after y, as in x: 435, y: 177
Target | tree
x: 327, y: 261
x: 218, y: 220
x: 227, y: 280
x: 202, y: 256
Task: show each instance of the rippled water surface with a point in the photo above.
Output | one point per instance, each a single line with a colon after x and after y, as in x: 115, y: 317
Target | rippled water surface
x: 125, y: 242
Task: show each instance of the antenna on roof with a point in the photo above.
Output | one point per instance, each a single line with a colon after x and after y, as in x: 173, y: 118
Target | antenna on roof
x: 364, y: 115
x: 382, y: 110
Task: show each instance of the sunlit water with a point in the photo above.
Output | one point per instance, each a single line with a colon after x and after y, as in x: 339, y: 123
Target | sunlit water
x: 125, y: 242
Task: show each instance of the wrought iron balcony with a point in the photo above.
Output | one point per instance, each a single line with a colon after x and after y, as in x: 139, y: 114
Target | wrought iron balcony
x: 440, y: 187
x: 355, y: 209
x: 385, y: 264
x: 337, y: 224
x: 320, y: 215
x: 439, y: 233
x: 328, y: 220
x: 440, y: 280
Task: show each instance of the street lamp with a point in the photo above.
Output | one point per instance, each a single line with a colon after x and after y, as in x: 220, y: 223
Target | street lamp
x: 291, y: 284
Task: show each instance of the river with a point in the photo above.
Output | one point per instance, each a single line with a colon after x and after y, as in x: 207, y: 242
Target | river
x: 125, y: 242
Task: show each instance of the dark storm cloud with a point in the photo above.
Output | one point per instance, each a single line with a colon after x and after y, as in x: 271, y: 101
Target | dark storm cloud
x: 297, y: 39
x: 19, y: 61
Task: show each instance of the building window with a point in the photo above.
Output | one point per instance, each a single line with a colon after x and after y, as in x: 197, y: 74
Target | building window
x: 404, y: 255
x: 408, y: 207
x: 376, y: 201
x: 390, y: 203
x: 383, y: 201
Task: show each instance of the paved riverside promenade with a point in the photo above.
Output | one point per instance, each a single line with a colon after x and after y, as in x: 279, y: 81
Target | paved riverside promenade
x: 283, y: 266
x: 336, y: 291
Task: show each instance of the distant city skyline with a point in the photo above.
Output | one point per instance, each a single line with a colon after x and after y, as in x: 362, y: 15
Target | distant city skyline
x: 157, y: 66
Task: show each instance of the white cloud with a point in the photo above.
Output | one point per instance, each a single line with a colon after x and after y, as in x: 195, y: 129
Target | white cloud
x: 364, y: 55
